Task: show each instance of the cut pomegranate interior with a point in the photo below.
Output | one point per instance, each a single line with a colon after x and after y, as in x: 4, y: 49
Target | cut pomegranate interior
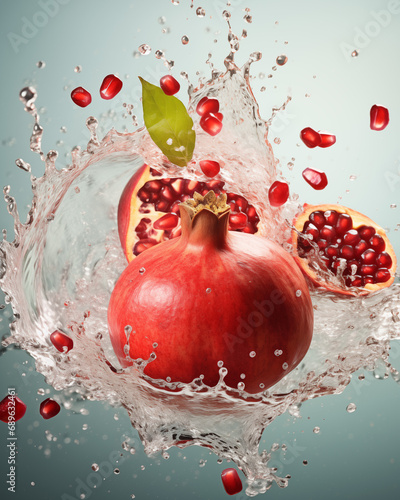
x: 349, y: 244
x: 148, y: 211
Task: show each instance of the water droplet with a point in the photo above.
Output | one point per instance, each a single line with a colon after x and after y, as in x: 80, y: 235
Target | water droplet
x: 95, y: 467
x: 305, y: 462
x: 220, y: 364
x: 142, y: 467
x: 155, y: 345
x: 252, y: 354
x: 165, y: 455
x: 202, y: 462
x: 142, y: 270
x: 242, y: 376
x: 354, y: 53
x: 169, y: 141
x: 241, y: 386
x: 285, y: 366
x: 393, y: 205
x: 200, y: 12
x: 316, y: 430
x: 248, y: 18
x: 277, y: 140
x: 85, y: 427
x: 226, y: 15
x: 175, y: 2
x: 351, y: 408
x: 298, y: 293
x: 23, y: 165
x: 208, y: 290
x: 41, y: 64
x: 162, y: 20
x: 261, y: 386
x: 278, y: 352
x: 136, y: 54
x: 185, y: 40
x: 263, y: 89
x: 159, y: 54
x: 144, y: 49
x: 78, y: 68
x: 353, y: 177
x: 281, y: 60
x: 168, y: 379
x: 116, y: 471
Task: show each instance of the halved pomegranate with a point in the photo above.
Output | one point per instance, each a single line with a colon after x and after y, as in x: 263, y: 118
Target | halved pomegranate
x: 148, y: 210
x: 350, y: 245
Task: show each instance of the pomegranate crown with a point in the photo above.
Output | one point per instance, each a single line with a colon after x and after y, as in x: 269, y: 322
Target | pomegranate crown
x: 210, y: 201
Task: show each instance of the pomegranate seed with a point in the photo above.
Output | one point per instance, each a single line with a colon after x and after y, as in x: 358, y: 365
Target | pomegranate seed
x: 207, y: 106
x: 143, y: 245
x: 384, y: 260
x: 110, y: 87
x: 379, y: 117
x: 249, y: 228
x: 353, y: 266
x: 237, y: 220
x: 315, y: 178
x: 366, y: 232
x: 61, y: 342
x: 153, y: 186
x: 9, y: 405
x: 327, y: 139
x: 169, y: 85
x: 343, y: 224
x: 318, y: 219
x: 310, y: 137
x: 360, y: 248
x: 175, y: 208
x: 322, y: 244
x: 143, y: 195
x: 377, y: 243
x: 167, y: 194
x: 347, y: 252
x: 357, y: 281
x: 220, y: 116
x: 210, y: 168
x: 351, y: 237
x: 331, y: 251
x: 192, y: 186
x: 328, y: 233
x: 312, y: 231
x: 178, y: 186
x: 210, y: 124
x: 49, y: 408
x: 241, y: 203
x: 162, y: 206
x: 368, y: 257
x: 231, y: 481
x: 252, y: 214
x: 81, y: 97
x: 331, y: 217
x: 369, y: 279
x: 368, y: 269
x: 166, y: 222
x: 382, y: 275
x: 215, y: 185
x: 278, y: 194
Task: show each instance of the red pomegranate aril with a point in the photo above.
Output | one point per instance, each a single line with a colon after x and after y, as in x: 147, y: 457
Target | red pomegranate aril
x: 328, y: 233
x: 237, y: 220
x: 368, y: 269
x: 360, y: 248
x: 318, y: 219
x: 384, y: 260
x: 61, y: 342
x: 322, y: 244
x: 162, y: 206
x: 356, y: 281
x: 310, y: 137
x: 379, y: 117
x: 220, y: 116
x: 241, y: 203
x: 369, y: 256
x: 368, y: 279
x: 252, y: 214
x: 153, y: 186
x: 216, y: 185
x: 278, y: 194
x: 166, y: 222
x: 313, y: 232
x: 353, y: 266
x: 12, y: 404
x: 169, y: 85
x: 331, y: 217
x: 143, y: 195
x: 211, y: 125
x: 231, y: 481
x: 178, y: 186
x: 327, y: 139
x: 343, y: 224
x: 377, y: 243
x: 210, y: 168
x: 331, y: 251
x: 347, y: 252
x: 382, y: 275
x: 249, y: 228
x: 207, y: 106
x: 366, y: 232
x: 110, y: 87
x: 351, y: 237
x: 175, y: 207
x: 315, y: 178
x: 143, y: 245
x: 191, y: 186
x: 49, y: 408
x: 81, y: 97
x: 168, y: 194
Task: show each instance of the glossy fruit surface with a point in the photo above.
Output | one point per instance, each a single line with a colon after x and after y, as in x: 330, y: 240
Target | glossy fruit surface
x: 169, y: 85
x: 81, y: 97
x: 12, y: 408
x: 349, y: 244
x: 211, y: 299
x: 110, y: 87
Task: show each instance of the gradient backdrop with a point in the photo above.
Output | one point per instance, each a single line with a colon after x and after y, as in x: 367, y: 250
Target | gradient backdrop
x: 355, y: 455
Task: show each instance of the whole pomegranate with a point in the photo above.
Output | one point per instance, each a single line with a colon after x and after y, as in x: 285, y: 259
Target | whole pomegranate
x: 212, y: 298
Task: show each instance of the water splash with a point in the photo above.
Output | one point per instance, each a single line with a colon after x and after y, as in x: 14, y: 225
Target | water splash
x: 59, y: 272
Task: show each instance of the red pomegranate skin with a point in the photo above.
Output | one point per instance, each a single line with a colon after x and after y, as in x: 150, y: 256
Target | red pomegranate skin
x: 211, y: 296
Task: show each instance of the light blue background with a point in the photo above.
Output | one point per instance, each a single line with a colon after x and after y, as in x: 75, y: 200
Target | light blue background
x: 355, y: 455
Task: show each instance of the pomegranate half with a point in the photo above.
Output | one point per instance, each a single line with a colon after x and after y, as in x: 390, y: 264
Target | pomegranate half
x: 212, y: 298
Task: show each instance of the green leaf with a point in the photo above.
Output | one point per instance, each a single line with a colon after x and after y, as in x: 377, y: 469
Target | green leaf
x: 166, y: 118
